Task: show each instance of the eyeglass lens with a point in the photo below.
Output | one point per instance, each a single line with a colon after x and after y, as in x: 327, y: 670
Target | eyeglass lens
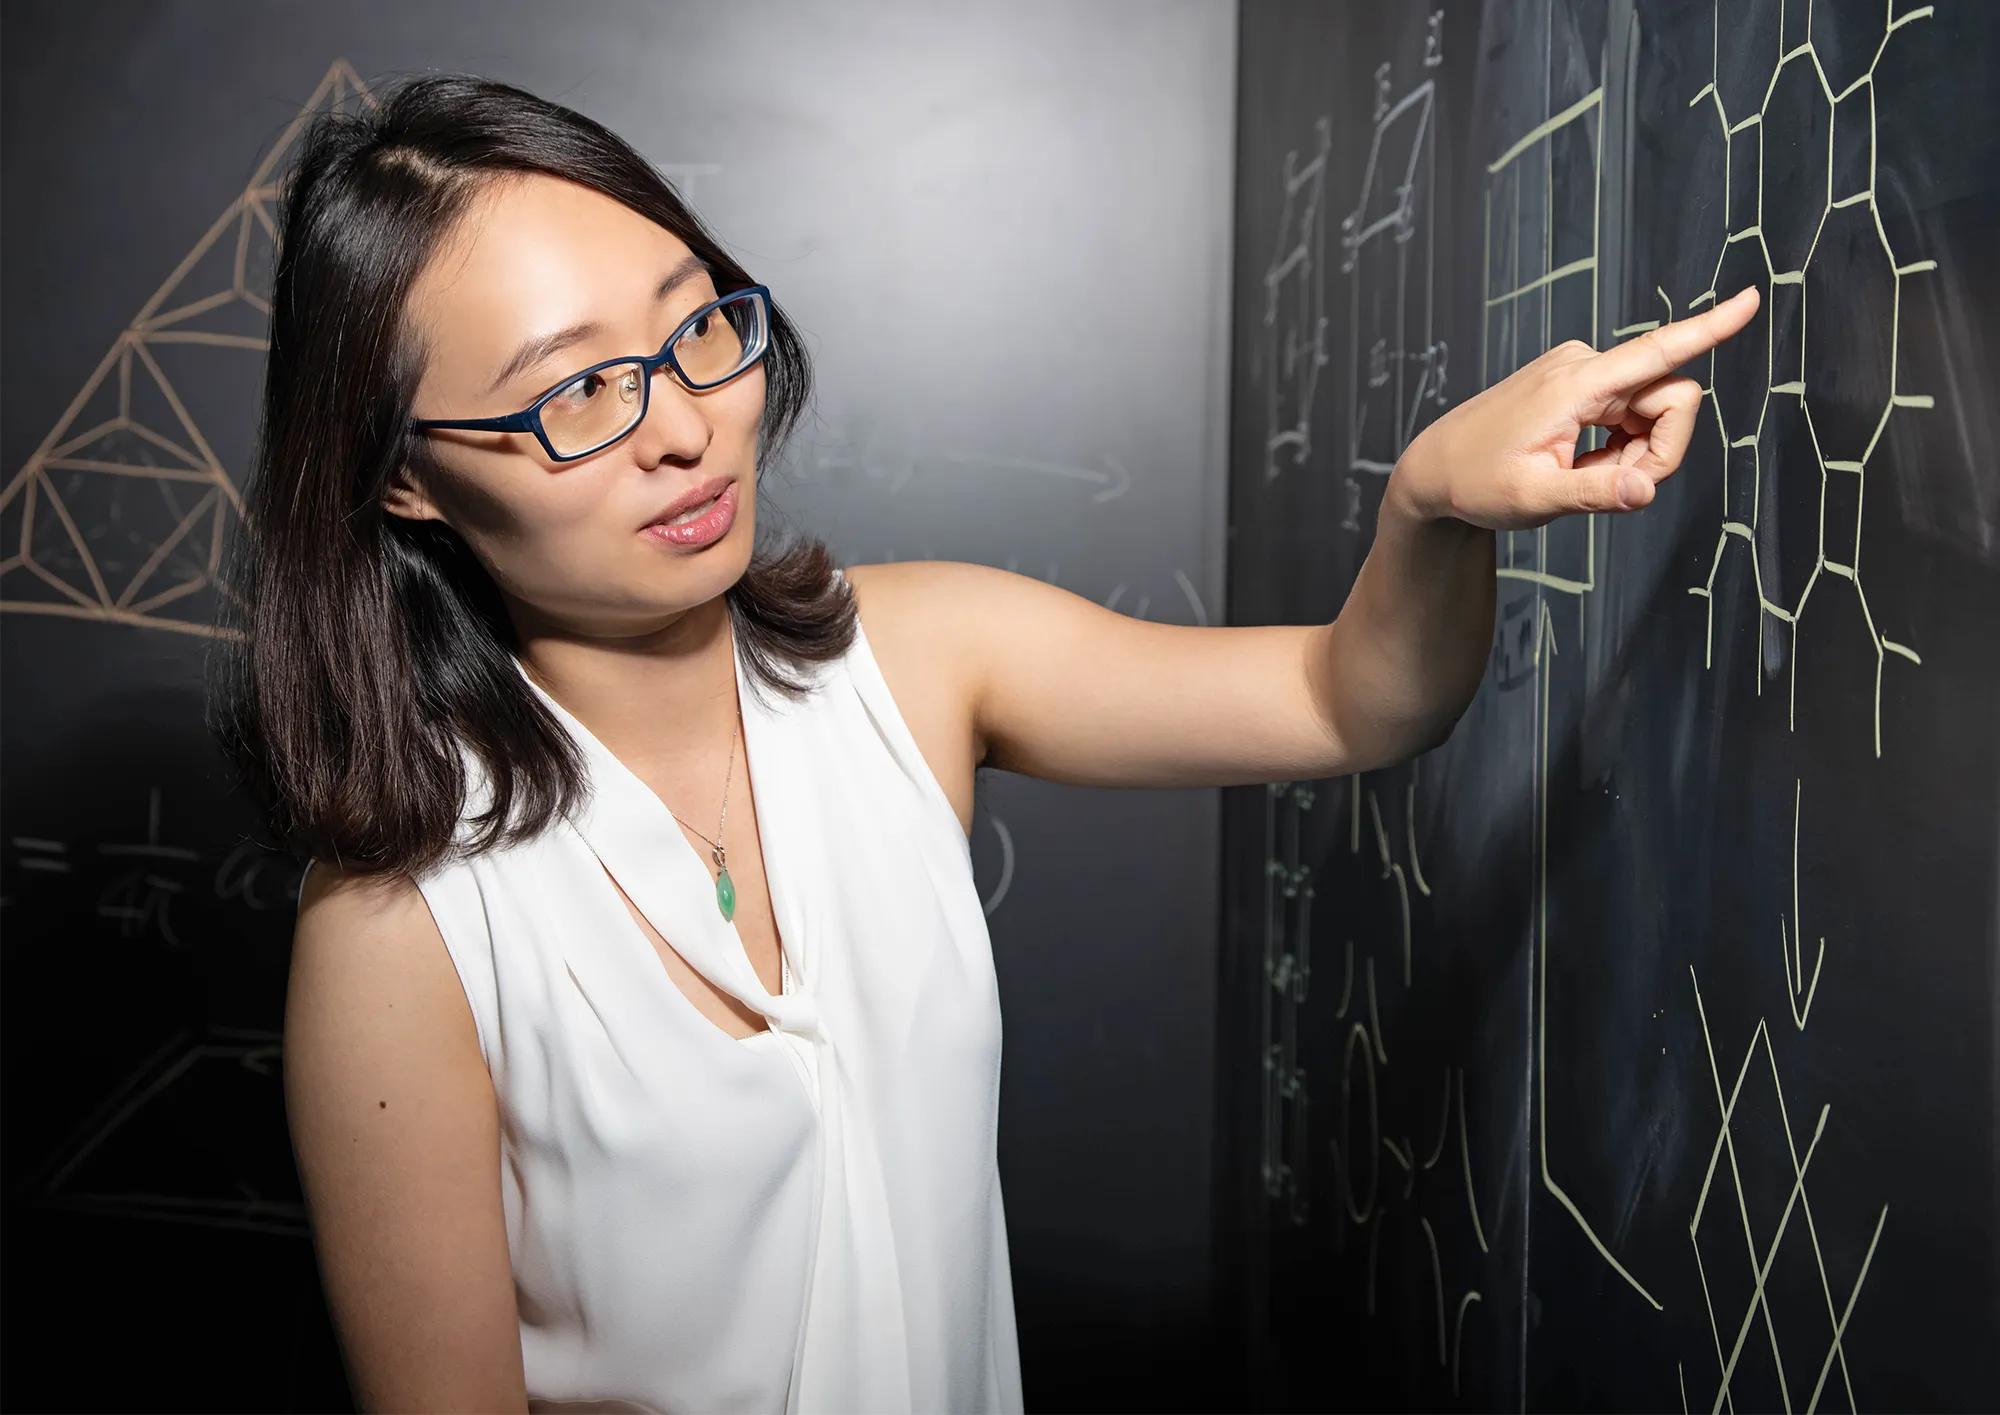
x: 598, y: 407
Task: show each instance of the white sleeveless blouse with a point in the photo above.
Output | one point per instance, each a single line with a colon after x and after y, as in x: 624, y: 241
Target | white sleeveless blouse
x: 808, y: 1219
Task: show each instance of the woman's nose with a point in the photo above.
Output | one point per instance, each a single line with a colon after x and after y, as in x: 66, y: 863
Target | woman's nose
x: 676, y: 427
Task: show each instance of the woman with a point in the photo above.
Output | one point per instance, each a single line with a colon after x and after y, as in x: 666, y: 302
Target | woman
x: 642, y: 1043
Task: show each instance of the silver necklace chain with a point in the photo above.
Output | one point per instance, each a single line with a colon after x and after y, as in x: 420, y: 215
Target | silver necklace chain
x: 721, y: 856
x: 715, y: 849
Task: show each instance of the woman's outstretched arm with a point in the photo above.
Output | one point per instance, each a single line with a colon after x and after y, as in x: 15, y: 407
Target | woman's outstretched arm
x: 1001, y: 670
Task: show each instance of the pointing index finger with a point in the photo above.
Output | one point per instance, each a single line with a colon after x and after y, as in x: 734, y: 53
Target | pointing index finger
x: 1659, y: 352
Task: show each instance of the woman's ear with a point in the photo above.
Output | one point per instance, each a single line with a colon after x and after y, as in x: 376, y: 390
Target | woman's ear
x: 405, y: 497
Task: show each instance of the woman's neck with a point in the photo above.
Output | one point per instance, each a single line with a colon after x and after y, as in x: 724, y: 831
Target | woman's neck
x: 655, y: 700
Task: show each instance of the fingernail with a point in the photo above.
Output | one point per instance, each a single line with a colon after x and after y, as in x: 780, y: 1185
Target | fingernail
x: 1632, y: 490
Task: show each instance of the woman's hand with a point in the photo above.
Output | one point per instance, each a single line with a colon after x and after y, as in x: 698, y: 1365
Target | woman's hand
x: 1506, y: 459
x: 996, y: 669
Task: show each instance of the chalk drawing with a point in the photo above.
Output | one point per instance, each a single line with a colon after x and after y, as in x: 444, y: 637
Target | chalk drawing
x: 1392, y: 307
x: 141, y: 899
x: 1520, y: 275
x: 1407, y: 366
x: 1762, y: 1261
x: 1798, y: 991
x: 1294, y: 345
x: 1517, y: 324
x: 1112, y: 480
x: 993, y: 901
x: 1395, y: 1162
x: 1287, y: 971
x: 122, y: 510
x: 1545, y: 653
x: 173, y: 1189
x: 1393, y: 1170
x: 1458, y: 1335
x: 1516, y: 318
x: 1360, y: 1213
x: 1541, y: 284
x: 1845, y: 476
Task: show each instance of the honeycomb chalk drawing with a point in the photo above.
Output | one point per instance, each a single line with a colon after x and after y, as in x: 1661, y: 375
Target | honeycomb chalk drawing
x: 1845, y: 219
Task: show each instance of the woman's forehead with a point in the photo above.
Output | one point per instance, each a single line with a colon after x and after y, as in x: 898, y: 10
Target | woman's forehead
x: 536, y: 253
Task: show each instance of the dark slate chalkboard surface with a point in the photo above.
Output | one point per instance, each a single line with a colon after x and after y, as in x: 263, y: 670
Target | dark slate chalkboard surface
x: 947, y: 200
x: 1636, y: 1048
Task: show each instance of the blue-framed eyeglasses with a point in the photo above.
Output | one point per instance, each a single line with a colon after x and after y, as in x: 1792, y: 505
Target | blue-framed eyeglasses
x: 594, y: 407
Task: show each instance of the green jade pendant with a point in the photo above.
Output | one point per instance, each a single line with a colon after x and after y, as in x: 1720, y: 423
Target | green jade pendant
x: 725, y: 888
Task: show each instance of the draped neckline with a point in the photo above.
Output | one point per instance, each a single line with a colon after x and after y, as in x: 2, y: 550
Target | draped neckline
x: 642, y: 848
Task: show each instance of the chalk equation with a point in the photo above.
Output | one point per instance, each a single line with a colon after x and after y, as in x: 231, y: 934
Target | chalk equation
x: 140, y: 881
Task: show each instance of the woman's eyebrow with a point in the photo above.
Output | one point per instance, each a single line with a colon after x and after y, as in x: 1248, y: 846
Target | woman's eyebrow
x: 542, y: 346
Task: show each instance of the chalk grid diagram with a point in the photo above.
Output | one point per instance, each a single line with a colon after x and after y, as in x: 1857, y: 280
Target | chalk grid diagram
x: 1397, y: 366
x: 1541, y: 277
x: 1791, y: 245
x: 122, y: 512
x: 1539, y: 292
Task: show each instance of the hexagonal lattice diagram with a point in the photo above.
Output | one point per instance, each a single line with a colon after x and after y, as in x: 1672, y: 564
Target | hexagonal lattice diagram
x: 120, y: 513
x: 1799, y: 170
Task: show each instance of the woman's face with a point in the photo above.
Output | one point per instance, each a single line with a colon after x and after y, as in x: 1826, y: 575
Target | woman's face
x: 618, y: 543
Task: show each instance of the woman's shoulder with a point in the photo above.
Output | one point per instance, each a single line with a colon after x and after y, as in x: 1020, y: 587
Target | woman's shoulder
x: 906, y: 586
x: 369, y: 941
x: 341, y: 904
x: 924, y: 609
x: 913, y: 615
x: 947, y: 622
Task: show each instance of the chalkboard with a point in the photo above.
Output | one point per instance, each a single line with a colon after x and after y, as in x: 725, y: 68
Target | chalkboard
x: 940, y: 198
x: 1636, y: 1048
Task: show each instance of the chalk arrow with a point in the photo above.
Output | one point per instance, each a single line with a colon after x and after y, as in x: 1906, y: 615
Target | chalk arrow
x: 1795, y: 979
x: 1110, y: 484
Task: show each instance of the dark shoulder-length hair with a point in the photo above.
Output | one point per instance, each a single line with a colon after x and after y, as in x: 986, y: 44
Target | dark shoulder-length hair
x: 370, y: 650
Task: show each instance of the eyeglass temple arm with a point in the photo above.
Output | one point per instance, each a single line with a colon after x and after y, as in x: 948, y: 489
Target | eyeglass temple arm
x: 513, y: 422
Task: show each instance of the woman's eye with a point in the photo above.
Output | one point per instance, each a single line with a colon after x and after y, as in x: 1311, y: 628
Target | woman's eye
x: 581, y: 390
x: 700, y: 328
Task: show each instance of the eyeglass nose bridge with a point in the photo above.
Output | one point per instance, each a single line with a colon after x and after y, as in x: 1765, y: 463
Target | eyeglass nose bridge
x: 664, y: 360
x: 653, y: 364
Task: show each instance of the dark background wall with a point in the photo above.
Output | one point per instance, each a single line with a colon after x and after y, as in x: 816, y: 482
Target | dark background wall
x: 1635, y: 1049
x: 1005, y: 230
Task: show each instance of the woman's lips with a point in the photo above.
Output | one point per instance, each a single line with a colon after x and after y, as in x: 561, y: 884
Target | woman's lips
x: 708, y: 524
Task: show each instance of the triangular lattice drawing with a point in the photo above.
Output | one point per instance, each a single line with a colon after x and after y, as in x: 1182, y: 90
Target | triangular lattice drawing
x: 122, y: 511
